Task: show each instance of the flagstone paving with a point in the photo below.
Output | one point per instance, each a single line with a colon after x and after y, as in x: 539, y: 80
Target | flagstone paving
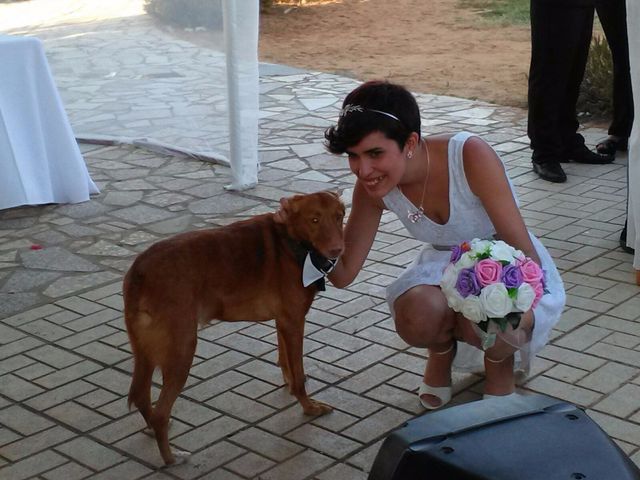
x: 65, y: 361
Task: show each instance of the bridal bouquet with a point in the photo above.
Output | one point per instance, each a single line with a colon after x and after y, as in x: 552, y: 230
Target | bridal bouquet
x: 492, y: 284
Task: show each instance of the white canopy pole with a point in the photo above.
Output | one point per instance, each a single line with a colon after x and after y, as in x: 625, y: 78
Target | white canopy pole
x: 241, y: 45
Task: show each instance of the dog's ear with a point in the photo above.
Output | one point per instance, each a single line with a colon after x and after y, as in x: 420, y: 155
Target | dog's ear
x: 337, y: 192
x: 282, y: 213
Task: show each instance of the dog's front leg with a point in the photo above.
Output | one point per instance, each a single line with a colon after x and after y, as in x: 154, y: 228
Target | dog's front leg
x: 283, y: 363
x: 290, y: 341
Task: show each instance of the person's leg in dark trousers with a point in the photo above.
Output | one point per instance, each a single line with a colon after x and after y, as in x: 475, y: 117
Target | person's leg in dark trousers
x: 613, y: 17
x: 579, y: 43
x: 558, y: 45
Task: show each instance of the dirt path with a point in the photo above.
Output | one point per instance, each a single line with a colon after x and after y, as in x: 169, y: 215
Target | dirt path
x: 430, y: 46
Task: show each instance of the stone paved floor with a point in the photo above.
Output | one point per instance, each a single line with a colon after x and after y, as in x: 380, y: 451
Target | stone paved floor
x: 65, y: 361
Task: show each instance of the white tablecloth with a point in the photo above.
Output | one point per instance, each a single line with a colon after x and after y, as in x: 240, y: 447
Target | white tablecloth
x: 40, y: 161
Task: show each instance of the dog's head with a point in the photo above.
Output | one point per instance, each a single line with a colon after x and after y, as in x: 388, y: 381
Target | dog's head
x: 315, y: 219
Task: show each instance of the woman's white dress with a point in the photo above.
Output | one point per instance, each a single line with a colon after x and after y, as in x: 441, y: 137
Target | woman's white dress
x: 633, y: 214
x: 467, y: 220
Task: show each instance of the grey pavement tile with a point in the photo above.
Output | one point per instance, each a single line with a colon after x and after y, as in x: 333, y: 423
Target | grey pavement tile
x: 129, y: 470
x: 36, y: 443
x: 90, y: 453
x: 7, y: 436
x: 68, y: 374
x: 266, y: 444
x: 323, y: 441
x: 582, y: 337
x: 32, y: 466
x: 77, y: 416
x: 216, y: 385
x: 8, y: 334
x: 208, y: 433
x: 303, y: 465
x: 193, y: 413
x: 22, y: 345
x: 240, y: 407
x: 622, y: 402
x: 15, y: 364
x: 23, y: 421
x: 612, y: 352
x: 342, y: 471
x: 17, y: 389
x: 68, y: 471
x: 565, y: 391
x: 617, y: 428
x: 206, y: 460
x: 31, y: 315
x: 250, y: 465
x: 349, y: 402
x: 56, y: 396
x: 569, y: 357
x: 377, y: 425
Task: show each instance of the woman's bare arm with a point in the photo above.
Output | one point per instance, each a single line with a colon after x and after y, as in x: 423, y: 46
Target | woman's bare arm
x: 488, y: 180
x: 359, y: 234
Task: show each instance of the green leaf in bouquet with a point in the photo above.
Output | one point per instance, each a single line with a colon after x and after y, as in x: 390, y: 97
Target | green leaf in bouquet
x: 502, y: 323
x: 513, y: 293
x: 484, y: 325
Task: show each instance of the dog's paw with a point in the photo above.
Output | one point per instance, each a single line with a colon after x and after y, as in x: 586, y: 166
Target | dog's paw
x: 316, y: 408
x: 178, y: 457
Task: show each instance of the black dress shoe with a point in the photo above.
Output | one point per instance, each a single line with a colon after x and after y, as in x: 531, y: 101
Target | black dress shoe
x: 550, y: 171
x: 583, y: 155
x: 612, y: 145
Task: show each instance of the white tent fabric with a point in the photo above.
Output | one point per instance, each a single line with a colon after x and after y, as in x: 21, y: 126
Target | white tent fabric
x: 125, y: 77
x: 241, y: 45
x: 633, y: 214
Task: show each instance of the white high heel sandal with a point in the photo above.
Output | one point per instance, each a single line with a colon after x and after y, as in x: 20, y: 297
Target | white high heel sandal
x: 441, y: 393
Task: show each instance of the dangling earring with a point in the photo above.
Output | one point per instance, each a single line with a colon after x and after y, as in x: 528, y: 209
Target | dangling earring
x: 410, y: 154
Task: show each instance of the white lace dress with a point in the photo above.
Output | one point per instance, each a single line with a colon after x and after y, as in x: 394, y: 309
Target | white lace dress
x: 467, y: 220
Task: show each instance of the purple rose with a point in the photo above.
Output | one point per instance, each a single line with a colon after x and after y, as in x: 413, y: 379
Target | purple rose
x: 511, y: 276
x: 456, y: 253
x: 467, y: 283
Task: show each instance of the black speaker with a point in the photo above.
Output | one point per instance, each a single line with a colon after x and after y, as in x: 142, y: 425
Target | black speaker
x: 524, y: 437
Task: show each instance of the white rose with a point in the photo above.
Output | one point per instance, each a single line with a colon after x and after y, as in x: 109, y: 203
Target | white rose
x: 526, y: 296
x: 472, y: 309
x: 466, y: 261
x: 454, y: 299
x: 449, y: 277
x: 501, y: 251
x: 480, y: 246
x: 519, y: 254
x: 495, y: 300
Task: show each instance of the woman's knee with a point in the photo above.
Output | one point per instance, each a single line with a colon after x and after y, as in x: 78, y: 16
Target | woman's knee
x: 421, y: 319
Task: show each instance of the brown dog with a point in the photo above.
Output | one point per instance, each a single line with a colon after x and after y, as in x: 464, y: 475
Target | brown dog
x: 249, y: 270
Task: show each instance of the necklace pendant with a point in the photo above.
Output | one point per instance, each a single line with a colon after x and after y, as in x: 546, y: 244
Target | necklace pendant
x: 415, y: 216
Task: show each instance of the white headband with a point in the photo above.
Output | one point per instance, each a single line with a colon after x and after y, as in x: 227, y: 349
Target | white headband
x: 357, y: 108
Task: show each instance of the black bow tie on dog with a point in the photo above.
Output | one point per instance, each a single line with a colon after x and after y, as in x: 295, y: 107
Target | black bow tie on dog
x: 316, y: 266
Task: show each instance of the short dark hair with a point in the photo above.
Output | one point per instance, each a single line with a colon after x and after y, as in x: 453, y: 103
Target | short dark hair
x: 380, y: 102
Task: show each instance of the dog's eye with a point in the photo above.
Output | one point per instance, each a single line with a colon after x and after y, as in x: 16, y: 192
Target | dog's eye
x: 315, y: 220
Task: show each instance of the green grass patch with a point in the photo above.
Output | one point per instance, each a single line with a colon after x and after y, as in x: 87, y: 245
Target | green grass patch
x: 503, y: 12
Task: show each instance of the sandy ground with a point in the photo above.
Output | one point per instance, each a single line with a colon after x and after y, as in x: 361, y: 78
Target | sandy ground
x: 430, y: 46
